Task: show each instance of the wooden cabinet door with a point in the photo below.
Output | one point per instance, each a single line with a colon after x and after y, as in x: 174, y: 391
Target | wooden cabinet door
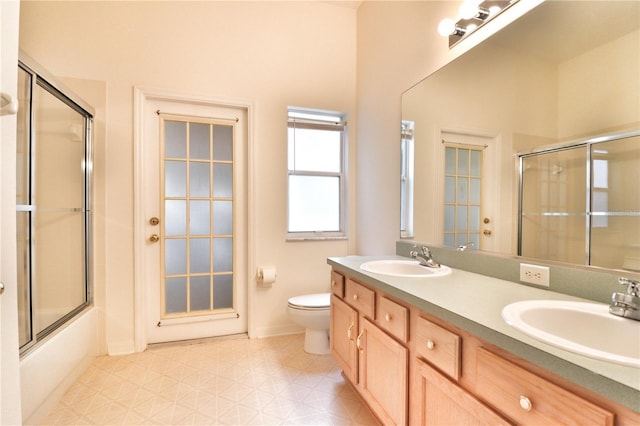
x: 383, y: 376
x: 436, y: 400
x: 343, y: 332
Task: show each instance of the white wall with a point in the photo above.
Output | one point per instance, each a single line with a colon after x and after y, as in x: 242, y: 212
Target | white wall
x: 10, y: 411
x: 274, y: 53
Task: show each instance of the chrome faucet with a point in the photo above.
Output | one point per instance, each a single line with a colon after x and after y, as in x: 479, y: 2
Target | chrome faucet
x: 463, y: 247
x: 627, y: 304
x: 424, y: 257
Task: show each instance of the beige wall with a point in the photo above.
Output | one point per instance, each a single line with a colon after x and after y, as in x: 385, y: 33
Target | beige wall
x: 273, y: 53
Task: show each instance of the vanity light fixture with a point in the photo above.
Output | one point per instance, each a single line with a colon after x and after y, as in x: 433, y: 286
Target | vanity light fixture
x: 472, y: 15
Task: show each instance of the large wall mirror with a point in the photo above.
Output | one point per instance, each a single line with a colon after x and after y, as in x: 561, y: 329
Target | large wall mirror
x: 563, y: 75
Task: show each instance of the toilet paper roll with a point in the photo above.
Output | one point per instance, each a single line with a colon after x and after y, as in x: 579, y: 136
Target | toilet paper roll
x: 267, y: 276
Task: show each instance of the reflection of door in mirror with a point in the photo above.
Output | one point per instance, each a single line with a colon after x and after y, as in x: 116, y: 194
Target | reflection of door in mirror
x: 469, y: 193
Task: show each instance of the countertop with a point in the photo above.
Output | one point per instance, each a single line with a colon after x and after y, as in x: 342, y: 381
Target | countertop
x: 474, y: 303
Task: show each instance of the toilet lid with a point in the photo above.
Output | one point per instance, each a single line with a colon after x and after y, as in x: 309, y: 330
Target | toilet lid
x: 310, y: 301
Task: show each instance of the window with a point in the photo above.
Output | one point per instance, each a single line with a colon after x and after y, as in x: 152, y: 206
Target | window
x: 316, y: 179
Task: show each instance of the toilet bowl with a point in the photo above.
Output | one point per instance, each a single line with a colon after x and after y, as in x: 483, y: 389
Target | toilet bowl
x: 312, y: 312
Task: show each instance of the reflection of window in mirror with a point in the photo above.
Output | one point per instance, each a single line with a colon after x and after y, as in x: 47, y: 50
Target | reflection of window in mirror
x: 600, y: 193
x: 406, y: 180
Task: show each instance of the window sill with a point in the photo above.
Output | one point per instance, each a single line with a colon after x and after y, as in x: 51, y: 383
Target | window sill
x: 295, y: 238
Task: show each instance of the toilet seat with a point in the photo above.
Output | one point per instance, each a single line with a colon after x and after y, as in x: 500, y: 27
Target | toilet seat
x: 311, y: 302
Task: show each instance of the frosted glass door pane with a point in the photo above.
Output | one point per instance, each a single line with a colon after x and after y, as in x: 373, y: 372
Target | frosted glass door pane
x: 463, y: 162
x: 450, y: 161
x: 449, y: 218
x: 222, y: 143
x: 461, y: 218
x: 199, y: 255
x: 175, y: 256
x: 175, y: 212
x: 476, y: 163
x: 175, y: 139
x: 200, y: 293
x: 222, y: 180
x: 175, y: 291
x: 449, y: 189
x: 222, y: 217
x: 199, y: 141
x: 200, y: 217
x: 474, y: 218
x: 199, y: 180
x: 474, y: 192
x: 200, y: 189
x: 222, y: 291
x: 317, y: 203
x: 463, y: 190
x: 222, y: 255
x: 175, y: 179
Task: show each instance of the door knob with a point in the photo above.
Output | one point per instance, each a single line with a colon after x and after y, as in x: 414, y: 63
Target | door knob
x: 487, y: 232
x: 154, y: 221
x: 154, y: 238
x: 1, y: 287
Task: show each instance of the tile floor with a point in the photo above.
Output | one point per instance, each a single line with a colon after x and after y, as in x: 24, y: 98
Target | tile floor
x: 227, y: 382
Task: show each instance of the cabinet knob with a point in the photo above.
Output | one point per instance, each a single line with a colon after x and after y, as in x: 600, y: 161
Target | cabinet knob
x: 387, y: 317
x: 525, y: 403
x: 431, y: 344
x: 333, y: 283
x: 355, y: 297
x: 349, y: 331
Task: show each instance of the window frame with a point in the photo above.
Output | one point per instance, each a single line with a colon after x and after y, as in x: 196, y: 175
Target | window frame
x: 303, y: 117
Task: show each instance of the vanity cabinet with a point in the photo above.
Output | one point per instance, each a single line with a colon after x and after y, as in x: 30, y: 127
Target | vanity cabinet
x: 372, y: 354
x: 528, y: 399
x: 412, y: 367
x: 436, y: 400
x: 343, y: 328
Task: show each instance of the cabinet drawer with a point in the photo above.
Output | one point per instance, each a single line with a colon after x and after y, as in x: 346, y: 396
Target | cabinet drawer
x: 438, y: 346
x: 528, y: 399
x: 337, y: 284
x: 360, y: 297
x: 393, y: 318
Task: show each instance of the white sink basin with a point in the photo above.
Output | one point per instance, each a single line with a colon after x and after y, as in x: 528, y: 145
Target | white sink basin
x: 584, y: 328
x: 404, y: 268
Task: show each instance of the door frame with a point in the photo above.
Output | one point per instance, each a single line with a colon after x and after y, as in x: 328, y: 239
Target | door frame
x: 141, y: 96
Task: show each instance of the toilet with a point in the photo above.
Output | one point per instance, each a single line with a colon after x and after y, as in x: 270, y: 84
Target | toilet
x: 312, y: 312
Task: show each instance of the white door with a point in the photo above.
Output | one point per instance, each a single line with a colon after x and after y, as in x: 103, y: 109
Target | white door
x: 471, y: 196
x: 193, y: 213
x: 10, y: 411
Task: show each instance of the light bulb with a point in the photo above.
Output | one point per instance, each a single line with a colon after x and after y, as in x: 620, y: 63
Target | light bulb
x: 446, y: 27
x: 469, y: 9
x: 471, y: 28
x: 493, y: 10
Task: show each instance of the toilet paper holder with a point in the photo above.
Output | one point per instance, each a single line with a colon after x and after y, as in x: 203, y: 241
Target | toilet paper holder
x: 267, y: 275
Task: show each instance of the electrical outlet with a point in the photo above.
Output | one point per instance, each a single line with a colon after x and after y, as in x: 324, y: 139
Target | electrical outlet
x: 534, y: 274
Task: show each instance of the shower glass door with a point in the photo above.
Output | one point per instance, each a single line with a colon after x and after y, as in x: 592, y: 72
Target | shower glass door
x: 53, y: 175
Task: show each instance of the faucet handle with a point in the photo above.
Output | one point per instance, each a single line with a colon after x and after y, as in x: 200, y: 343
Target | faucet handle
x: 633, y: 286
